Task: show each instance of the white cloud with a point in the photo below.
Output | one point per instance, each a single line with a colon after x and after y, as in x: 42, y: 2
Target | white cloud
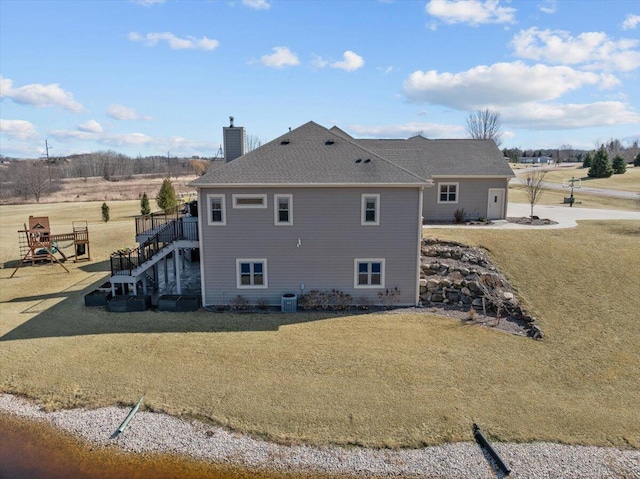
x: 121, y: 112
x: 74, y: 135
x: 257, y: 4
x: 594, y: 50
x: 91, y: 126
x: 174, y: 42
x: 406, y: 130
x: 127, y: 139
x: 472, y: 12
x: 385, y: 70
x: 318, y: 62
x: 281, y: 57
x: 351, y: 61
x: 548, y: 6
x: 18, y: 129
x: 631, y: 22
x: 563, y: 116
x: 38, y: 95
x: 500, y: 84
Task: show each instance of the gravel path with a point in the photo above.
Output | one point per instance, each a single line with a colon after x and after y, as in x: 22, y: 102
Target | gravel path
x: 152, y: 432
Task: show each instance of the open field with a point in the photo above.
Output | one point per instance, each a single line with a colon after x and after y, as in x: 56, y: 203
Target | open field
x: 518, y: 194
x: 628, y: 181
x: 383, y: 379
x: 98, y: 189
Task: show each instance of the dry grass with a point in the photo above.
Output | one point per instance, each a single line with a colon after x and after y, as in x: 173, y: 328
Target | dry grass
x: 517, y: 194
x: 372, y: 379
x: 629, y: 181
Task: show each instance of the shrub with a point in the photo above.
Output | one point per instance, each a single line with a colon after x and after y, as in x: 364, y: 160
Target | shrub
x: 459, y: 216
x: 619, y: 165
x: 636, y: 161
x: 262, y: 303
x: 314, y: 300
x: 238, y: 303
x: 588, y: 160
x: 389, y: 297
x: 145, y: 209
x: 105, y: 212
x: 339, y: 300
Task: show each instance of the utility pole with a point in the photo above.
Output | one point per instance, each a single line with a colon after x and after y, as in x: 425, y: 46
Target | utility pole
x: 168, y: 166
x: 46, y: 145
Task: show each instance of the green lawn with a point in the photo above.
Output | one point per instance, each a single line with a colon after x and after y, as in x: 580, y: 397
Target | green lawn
x: 372, y: 379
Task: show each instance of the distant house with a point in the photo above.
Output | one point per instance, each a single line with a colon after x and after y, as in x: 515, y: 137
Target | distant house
x: 316, y: 209
x: 534, y: 160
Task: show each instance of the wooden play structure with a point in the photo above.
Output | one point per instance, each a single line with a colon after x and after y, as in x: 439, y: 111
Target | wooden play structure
x: 38, y: 244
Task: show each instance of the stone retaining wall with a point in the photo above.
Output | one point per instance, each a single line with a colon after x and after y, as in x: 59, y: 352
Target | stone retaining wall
x: 456, y: 275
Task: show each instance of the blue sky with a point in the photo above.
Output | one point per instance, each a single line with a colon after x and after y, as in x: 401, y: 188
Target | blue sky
x: 149, y: 77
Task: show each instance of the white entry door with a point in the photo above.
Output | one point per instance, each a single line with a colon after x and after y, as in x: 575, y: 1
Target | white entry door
x: 495, y: 209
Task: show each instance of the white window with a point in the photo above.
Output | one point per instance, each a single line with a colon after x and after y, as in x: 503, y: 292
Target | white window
x: 448, y: 192
x: 249, y: 201
x: 370, y: 210
x: 368, y: 273
x: 251, y: 273
x: 217, y: 215
x: 283, y: 210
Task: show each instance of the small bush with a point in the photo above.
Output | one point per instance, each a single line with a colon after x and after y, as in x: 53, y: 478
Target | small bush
x: 339, y: 300
x: 389, y: 297
x: 459, y: 216
x: 238, y: 303
x: 105, y: 212
x: 314, y: 300
x: 262, y: 304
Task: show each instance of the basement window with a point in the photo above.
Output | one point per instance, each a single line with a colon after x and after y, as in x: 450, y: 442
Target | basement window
x: 251, y: 273
x: 369, y: 273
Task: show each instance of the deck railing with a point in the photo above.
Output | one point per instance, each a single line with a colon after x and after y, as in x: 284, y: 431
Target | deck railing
x: 150, y: 222
x: 125, y: 261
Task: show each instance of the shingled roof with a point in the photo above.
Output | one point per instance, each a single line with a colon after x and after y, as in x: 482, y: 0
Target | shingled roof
x: 314, y: 155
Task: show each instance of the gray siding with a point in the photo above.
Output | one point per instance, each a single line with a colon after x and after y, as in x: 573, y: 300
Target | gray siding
x: 473, y: 196
x: 327, y: 223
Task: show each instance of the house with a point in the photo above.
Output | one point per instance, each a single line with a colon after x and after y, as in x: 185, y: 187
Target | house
x: 531, y: 160
x: 317, y: 209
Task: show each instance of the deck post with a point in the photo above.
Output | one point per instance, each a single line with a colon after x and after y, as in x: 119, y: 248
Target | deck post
x: 177, y: 270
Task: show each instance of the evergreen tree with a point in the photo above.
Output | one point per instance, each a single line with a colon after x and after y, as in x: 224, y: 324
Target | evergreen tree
x: 619, y: 165
x: 636, y: 162
x: 145, y: 209
x: 588, y: 160
x: 105, y: 212
x: 601, y: 166
x: 166, y: 199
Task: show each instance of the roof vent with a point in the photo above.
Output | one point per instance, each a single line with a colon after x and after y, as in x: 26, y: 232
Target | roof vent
x: 359, y: 160
x: 285, y: 142
x: 367, y: 160
x: 329, y: 142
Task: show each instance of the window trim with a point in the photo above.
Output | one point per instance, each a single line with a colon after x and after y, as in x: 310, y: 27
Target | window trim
x: 449, y: 183
x: 236, y: 197
x: 239, y: 284
x: 363, y: 209
x: 358, y: 261
x: 276, y: 210
x: 210, y: 221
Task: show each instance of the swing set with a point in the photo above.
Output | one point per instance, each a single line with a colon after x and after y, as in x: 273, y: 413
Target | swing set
x: 38, y: 244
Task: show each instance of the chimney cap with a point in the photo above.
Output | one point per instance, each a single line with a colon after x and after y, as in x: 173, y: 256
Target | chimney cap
x: 231, y: 121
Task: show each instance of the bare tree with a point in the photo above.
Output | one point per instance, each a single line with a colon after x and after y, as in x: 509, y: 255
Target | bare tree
x: 534, y: 186
x: 485, y: 125
x: 253, y: 142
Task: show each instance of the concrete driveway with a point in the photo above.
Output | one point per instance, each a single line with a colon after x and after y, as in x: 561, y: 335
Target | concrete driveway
x: 565, y: 216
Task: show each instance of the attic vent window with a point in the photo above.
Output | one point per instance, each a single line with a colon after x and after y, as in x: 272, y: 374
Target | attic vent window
x: 367, y: 160
x: 359, y: 160
x: 285, y: 142
x: 329, y: 142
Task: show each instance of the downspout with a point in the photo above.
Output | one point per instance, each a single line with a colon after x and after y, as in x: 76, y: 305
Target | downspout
x: 418, y: 261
